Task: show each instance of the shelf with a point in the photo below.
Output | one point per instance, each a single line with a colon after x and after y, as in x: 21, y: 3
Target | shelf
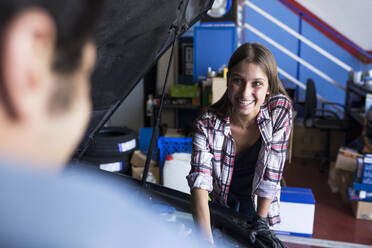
x: 182, y: 113
x: 360, y: 90
x: 357, y: 116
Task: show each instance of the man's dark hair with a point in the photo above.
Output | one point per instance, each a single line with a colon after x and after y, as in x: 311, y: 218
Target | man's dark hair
x: 75, y: 22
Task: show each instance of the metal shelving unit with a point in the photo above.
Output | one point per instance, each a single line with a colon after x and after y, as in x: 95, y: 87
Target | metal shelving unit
x: 361, y: 91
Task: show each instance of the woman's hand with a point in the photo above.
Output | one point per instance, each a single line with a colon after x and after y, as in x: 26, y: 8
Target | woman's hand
x: 200, y: 212
x: 260, y: 234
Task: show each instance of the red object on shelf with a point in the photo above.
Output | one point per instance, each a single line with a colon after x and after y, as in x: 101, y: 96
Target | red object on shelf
x: 168, y: 157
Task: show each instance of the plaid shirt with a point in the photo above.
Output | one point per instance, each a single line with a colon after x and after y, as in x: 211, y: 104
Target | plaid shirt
x: 213, y: 154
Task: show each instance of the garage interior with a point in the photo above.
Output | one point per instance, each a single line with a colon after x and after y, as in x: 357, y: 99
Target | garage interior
x: 322, y: 64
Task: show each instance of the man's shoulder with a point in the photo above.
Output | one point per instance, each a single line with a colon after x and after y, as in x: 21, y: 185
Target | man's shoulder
x: 79, y: 209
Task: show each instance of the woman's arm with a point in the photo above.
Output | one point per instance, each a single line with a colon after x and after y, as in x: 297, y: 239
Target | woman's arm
x: 269, y: 186
x: 200, y: 178
x: 200, y: 212
x: 263, y: 205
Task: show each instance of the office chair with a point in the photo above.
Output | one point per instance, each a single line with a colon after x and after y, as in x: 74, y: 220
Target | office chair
x: 323, y: 119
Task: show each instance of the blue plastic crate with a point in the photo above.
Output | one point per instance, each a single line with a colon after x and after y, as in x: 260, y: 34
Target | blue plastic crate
x: 169, y: 145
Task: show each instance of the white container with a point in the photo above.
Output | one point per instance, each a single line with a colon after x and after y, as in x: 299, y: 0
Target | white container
x: 175, y: 171
x: 357, y: 77
x: 297, y: 209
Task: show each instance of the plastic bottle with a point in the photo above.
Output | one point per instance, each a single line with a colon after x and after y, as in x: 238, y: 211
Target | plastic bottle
x: 176, y: 168
x: 149, y: 106
x: 150, y: 109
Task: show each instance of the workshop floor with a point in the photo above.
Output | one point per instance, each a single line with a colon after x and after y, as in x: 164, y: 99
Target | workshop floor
x: 334, y: 219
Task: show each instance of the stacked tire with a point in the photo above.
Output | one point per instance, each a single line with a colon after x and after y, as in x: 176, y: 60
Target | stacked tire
x: 111, y: 149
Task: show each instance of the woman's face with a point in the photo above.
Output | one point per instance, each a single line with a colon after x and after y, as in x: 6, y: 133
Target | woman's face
x: 248, y: 86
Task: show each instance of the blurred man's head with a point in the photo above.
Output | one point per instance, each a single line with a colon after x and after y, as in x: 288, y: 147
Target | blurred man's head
x: 47, y: 54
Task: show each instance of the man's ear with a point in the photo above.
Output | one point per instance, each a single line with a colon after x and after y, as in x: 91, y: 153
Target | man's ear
x: 28, y: 45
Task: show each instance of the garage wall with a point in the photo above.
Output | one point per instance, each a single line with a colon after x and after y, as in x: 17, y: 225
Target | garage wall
x: 351, y: 18
x: 302, y: 73
x: 130, y: 113
x: 168, y: 116
x: 162, y: 67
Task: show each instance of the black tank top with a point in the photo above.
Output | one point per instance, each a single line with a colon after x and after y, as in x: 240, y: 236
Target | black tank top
x: 244, y: 167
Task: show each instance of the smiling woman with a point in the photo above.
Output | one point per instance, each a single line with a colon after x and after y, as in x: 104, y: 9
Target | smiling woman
x: 240, y: 144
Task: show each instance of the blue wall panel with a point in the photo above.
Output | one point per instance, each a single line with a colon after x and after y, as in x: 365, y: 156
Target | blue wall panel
x: 331, y: 47
x: 325, y: 89
x: 277, y: 10
x: 213, y: 47
x: 284, y: 62
x: 337, y: 73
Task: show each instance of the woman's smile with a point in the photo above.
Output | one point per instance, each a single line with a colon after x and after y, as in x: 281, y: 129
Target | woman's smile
x: 245, y: 104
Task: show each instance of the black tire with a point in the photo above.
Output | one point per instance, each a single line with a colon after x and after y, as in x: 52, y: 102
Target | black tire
x: 103, y: 163
x: 112, y: 141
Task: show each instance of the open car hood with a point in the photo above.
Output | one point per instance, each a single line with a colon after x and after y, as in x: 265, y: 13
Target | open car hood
x: 131, y: 37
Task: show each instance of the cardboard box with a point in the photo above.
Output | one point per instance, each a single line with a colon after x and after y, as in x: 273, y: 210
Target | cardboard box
x: 311, y: 142
x: 139, y: 159
x: 362, y: 210
x: 138, y: 162
x: 333, y: 178
x: 137, y: 172
x: 308, y: 142
x: 347, y: 159
x: 340, y: 181
x: 337, y: 141
x: 345, y: 181
x: 219, y: 86
x: 297, y: 208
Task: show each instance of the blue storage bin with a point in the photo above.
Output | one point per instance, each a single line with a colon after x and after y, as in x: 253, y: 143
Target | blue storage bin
x: 169, y: 145
x: 296, y: 202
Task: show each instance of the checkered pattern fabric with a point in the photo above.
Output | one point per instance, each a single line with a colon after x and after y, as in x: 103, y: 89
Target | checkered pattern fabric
x: 213, y: 154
